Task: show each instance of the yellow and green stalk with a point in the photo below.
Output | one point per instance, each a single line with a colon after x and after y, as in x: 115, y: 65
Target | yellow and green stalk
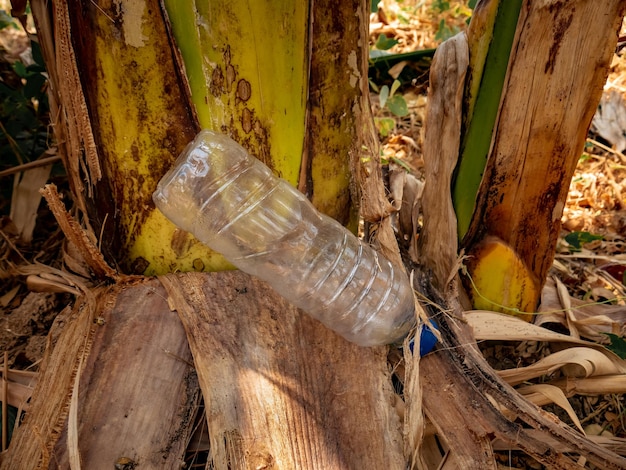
x: 153, y: 75
x: 523, y: 133
x: 495, y: 276
x: 490, y: 38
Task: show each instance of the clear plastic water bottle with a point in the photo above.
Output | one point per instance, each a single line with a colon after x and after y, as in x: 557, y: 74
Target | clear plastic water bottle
x: 234, y: 204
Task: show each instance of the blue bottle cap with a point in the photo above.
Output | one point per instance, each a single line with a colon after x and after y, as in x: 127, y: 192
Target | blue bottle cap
x: 428, y: 340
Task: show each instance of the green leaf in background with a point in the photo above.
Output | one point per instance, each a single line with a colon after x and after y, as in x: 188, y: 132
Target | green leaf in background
x: 383, y: 96
x: 397, y: 105
x: 445, y: 32
x: 618, y: 345
x: 37, y: 54
x: 394, y: 87
x: 376, y: 54
x: 578, y: 239
x: 383, y: 42
x: 34, y: 86
x: 384, y: 125
x: 441, y: 6
x: 11, y: 418
x: 6, y: 20
x: 20, y: 69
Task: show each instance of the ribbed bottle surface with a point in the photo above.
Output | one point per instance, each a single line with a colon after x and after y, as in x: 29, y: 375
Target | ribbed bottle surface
x: 234, y: 204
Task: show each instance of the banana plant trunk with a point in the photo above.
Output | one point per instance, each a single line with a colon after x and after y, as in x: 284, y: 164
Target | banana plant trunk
x: 541, y: 107
x: 503, y: 218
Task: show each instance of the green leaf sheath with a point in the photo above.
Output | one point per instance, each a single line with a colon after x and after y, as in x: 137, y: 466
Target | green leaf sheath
x: 477, y: 136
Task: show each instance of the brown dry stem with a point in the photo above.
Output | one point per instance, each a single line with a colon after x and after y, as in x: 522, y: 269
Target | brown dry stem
x: 76, y: 235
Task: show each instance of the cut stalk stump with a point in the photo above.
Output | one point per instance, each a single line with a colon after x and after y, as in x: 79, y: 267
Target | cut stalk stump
x: 281, y: 390
x: 117, y: 384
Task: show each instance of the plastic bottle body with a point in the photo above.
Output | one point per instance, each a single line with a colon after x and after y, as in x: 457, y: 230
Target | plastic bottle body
x: 265, y: 227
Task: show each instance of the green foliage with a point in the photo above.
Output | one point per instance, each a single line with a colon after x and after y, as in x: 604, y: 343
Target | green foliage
x: 577, y: 239
x: 11, y: 418
x: 384, y: 125
x: 417, y: 62
x: 395, y: 103
x: 618, y: 345
x: 383, y: 43
x: 440, y: 6
x: 444, y: 31
x: 397, y: 161
x: 6, y: 20
x: 446, y: 9
x: 23, y: 109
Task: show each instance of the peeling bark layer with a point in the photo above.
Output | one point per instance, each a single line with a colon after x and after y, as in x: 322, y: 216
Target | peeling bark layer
x: 281, y: 390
